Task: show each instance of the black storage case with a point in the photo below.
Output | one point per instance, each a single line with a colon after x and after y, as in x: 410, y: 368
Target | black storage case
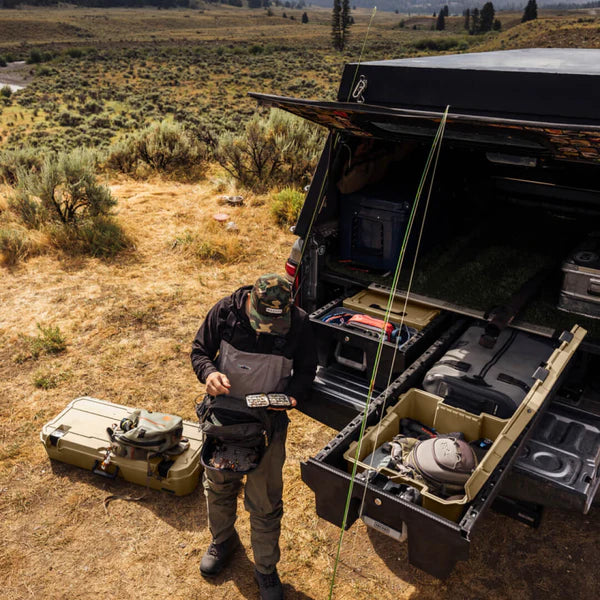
x: 357, y: 351
x: 372, y: 229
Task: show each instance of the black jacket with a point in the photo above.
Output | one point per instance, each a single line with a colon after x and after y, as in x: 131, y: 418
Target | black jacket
x: 227, y: 320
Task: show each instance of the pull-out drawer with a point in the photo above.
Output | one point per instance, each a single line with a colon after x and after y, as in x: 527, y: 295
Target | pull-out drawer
x: 437, y: 538
x: 338, y: 394
x: 357, y: 350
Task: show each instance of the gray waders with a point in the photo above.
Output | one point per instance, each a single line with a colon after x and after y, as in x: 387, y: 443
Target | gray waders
x: 251, y: 373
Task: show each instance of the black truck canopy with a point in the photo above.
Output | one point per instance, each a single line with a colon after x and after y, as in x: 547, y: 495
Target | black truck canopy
x: 548, y: 84
x: 540, y: 102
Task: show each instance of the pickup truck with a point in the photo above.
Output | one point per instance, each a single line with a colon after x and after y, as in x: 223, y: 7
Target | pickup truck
x: 515, y: 192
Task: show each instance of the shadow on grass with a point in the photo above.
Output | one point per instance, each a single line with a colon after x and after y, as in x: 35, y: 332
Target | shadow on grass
x: 184, y: 513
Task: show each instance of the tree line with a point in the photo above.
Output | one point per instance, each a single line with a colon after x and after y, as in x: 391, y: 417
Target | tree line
x: 299, y: 4
x: 484, y: 20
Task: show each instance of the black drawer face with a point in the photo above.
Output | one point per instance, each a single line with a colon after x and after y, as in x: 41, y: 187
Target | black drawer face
x: 357, y: 350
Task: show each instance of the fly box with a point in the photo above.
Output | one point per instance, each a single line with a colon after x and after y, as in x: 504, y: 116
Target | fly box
x: 78, y: 436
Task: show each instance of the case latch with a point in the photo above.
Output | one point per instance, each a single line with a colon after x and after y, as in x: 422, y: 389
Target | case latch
x: 566, y: 336
x: 541, y: 373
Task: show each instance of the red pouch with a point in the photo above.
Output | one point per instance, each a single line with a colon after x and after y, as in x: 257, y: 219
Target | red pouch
x: 370, y: 324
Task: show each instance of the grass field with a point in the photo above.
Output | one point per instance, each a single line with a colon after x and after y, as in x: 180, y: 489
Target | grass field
x: 128, y: 322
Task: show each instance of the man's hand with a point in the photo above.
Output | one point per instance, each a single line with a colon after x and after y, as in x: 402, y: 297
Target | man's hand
x: 217, y: 384
x: 292, y: 400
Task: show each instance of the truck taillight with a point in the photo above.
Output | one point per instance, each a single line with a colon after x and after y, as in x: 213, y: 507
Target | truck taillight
x: 290, y: 270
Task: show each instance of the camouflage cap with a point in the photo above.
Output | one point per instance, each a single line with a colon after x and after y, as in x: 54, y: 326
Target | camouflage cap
x: 270, y: 303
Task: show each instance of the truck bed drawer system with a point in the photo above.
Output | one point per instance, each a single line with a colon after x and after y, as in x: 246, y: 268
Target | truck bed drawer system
x: 436, y: 538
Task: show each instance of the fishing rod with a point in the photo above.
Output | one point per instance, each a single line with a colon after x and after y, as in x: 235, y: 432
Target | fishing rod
x: 434, y: 152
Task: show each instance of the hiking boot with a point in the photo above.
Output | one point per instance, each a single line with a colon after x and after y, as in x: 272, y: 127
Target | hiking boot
x: 217, y: 556
x: 269, y: 585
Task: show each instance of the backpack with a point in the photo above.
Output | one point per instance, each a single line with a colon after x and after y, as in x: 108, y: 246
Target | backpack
x: 235, y: 436
x: 444, y: 463
x: 143, y: 433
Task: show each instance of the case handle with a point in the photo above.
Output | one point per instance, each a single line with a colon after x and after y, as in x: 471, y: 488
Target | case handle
x: 98, y: 471
x: 594, y: 287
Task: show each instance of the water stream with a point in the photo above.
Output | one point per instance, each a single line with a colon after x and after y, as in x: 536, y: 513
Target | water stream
x: 7, y: 80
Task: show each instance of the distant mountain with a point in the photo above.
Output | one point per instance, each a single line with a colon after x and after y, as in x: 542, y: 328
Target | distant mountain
x: 428, y: 7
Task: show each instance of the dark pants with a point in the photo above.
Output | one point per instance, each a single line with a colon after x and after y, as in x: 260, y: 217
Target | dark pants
x: 262, y: 499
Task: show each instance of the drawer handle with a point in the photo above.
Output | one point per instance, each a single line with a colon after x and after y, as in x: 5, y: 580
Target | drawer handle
x: 347, y: 362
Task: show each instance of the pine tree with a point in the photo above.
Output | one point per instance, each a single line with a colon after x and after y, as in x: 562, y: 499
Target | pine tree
x: 446, y: 11
x: 475, y: 21
x: 341, y: 19
x: 440, y: 24
x: 336, y: 26
x: 487, y: 17
x: 304, y: 18
x: 530, y: 12
x: 346, y: 21
x: 467, y: 14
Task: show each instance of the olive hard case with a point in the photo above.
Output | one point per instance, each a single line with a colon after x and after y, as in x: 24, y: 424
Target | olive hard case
x: 77, y: 436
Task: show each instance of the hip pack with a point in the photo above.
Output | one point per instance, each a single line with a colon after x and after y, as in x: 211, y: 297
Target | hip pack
x: 443, y: 463
x: 145, y: 432
x: 235, y: 436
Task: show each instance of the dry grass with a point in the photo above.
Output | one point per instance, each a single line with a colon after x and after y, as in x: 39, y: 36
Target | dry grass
x: 550, y: 31
x: 128, y: 325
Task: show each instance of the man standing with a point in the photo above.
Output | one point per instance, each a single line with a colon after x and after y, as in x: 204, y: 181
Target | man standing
x: 254, y: 341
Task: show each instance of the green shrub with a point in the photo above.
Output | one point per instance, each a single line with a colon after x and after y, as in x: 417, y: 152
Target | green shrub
x: 45, y: 380
x: 281, y: 149
x: 67, y: 189
x: 122, y: 157
x: 75, y: 52
x: 441, y: 44
x: 35, y: 57
x: 99, y: 236
x: 5, y: 91
x: 69, y: 119
x: 15, y: 162
x: 286, y: 206
x: 29, y: 211
x: 165, y: 147
x: 49, y: 340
